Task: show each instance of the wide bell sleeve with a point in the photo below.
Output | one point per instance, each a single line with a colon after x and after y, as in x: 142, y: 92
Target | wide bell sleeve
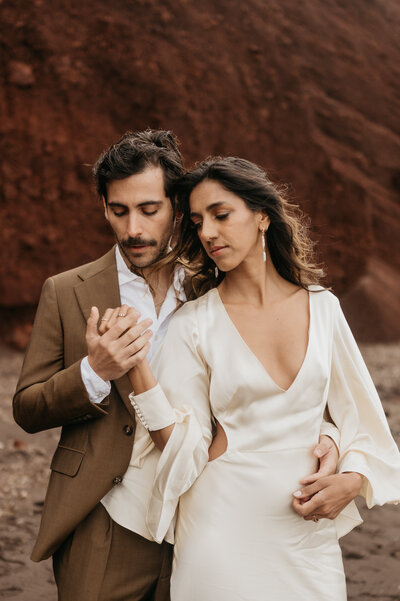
x: 181, y: 398
x: 366, y: 444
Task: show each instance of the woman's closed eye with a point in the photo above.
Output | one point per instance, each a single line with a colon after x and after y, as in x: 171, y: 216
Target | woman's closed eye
x: 220, y: 216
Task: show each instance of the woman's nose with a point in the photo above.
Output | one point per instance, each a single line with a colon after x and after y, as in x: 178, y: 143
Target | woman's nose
x: 209, y: 229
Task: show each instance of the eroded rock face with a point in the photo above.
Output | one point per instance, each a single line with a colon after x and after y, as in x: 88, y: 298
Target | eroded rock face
x: 311, y: 91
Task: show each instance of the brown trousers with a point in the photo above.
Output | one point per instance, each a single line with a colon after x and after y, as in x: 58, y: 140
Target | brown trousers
x: 102, y: 561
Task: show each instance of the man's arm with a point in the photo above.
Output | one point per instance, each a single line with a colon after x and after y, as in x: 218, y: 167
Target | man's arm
x: 49, y: 394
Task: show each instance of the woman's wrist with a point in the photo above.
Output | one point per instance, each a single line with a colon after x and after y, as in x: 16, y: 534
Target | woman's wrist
x: 141, y: 377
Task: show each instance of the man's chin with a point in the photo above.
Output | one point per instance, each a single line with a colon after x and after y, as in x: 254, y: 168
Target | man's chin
x: 143, y: 259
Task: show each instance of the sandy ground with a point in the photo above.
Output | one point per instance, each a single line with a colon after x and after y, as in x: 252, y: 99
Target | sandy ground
x: 371, y: 552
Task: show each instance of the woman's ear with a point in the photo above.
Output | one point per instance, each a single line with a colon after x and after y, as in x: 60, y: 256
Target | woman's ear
x: 263, y: 222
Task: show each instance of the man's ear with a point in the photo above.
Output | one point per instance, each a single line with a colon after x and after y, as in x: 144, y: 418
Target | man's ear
x: 105, y: 205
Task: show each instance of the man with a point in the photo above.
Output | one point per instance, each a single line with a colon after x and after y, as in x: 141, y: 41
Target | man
x: 81, y: 384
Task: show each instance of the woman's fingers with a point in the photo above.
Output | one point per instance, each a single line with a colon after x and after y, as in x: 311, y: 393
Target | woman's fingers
x: 119, y: 315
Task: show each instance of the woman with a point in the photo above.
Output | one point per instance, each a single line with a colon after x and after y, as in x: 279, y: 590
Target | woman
x: 264, y: 350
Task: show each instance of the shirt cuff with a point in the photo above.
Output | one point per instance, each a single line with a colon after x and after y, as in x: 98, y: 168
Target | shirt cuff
x: 96, y: 387
x: 153, y: 409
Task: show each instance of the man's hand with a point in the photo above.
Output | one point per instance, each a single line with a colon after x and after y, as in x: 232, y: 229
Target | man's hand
x: 124, y: 344
x: 327, y: 496
x: 327, y: 453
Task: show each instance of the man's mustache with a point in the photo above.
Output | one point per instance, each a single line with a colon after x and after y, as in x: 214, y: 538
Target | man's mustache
x: 138, y: 242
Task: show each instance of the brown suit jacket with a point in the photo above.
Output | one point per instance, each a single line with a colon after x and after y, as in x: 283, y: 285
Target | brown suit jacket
x: 96, y: 440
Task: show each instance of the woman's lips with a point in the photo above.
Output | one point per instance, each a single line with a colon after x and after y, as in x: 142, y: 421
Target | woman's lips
x: 216, y: 250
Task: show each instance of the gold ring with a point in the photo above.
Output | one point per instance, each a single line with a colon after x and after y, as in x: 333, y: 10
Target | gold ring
x: 314, y: 518
x: 121, y: 314
x: 104, y: 319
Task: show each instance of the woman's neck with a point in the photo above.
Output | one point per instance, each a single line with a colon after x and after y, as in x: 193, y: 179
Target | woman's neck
x: 254, y: 283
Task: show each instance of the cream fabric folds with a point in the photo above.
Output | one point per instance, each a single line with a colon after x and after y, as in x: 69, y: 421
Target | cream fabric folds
x: 185, y: 381
x: 203, y: 359
x: 366, y: 444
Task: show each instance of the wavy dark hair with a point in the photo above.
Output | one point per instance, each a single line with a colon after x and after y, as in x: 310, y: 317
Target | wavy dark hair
x: 136, y: 151
x: 288, y: 242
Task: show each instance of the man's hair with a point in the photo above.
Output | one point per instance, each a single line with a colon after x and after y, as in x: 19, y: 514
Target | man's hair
x: 136, y: 151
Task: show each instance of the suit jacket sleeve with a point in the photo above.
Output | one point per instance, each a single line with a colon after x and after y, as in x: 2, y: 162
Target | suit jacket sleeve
x: 49, y: 394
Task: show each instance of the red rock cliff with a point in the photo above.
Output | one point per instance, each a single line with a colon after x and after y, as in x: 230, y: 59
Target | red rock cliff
x: 310, y: 90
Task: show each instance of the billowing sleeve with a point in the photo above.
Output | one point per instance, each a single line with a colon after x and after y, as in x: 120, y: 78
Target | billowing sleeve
x: 366, y: 444
x: 182, y: 398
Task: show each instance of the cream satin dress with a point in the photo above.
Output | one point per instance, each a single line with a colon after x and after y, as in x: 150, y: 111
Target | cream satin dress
x: 237, y: 537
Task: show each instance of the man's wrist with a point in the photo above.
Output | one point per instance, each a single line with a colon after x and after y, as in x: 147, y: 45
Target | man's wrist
x: 96, y: 387
x: 355, y: 480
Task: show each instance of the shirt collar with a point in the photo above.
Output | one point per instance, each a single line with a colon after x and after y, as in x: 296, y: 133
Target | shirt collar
x: 125, y: 275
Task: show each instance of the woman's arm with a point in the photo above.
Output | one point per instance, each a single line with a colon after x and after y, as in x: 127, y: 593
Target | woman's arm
x: 142, y: 380
x: 369, y: 462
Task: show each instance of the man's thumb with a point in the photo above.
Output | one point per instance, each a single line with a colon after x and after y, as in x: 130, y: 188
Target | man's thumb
x: 91, y: 329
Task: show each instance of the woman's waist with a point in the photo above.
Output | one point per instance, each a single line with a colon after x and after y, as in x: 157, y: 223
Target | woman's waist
x: 269, y: 456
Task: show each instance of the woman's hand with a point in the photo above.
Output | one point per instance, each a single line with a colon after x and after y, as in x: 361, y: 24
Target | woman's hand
x: 327, y: 496
x: 119, y: 343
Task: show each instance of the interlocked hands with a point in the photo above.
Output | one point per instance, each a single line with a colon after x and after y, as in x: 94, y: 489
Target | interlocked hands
x: 325, y: 494
x: 120, y: 342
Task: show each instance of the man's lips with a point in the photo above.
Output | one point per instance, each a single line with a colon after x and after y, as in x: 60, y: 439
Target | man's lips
x: 137, y: 246
x: 216, y: 250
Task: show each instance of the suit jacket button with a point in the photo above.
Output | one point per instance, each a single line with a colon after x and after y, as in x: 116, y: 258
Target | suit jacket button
x: 128, y: 430
x: 117, y: 480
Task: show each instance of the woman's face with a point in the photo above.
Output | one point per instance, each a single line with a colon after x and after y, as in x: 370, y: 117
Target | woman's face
x: 227, y: 228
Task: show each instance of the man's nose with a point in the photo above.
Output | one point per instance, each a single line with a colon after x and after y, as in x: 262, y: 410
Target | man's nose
x: 135, y: 226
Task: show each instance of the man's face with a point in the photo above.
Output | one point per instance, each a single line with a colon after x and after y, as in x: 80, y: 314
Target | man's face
x: 141, y: 216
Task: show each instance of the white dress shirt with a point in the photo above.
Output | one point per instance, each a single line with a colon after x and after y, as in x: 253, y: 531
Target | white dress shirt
x: 127, y: 503
x: 135, y: 292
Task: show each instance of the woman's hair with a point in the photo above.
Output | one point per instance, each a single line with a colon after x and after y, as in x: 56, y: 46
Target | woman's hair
x: 289, y: 245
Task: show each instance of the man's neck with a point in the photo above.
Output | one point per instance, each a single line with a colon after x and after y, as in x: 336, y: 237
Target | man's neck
x: 158, y: 281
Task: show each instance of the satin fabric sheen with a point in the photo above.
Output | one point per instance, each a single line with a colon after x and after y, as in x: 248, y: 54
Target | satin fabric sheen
x: 237, y: 537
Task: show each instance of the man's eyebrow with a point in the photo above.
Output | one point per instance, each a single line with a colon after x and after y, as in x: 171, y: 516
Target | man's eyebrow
x: 116, y: 203
x: 209, y: 208
x: 146, y: 203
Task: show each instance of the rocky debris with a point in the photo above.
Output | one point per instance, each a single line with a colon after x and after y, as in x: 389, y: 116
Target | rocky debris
x: 21, y: 74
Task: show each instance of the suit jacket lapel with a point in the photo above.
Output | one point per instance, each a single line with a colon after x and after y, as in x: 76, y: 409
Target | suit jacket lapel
x: 100, y: 288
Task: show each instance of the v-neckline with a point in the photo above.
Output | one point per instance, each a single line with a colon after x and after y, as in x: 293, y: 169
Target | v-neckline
x: 252, y: 353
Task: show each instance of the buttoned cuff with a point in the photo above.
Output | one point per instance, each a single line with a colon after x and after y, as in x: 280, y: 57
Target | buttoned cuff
x: 96, y: 387
x: 153, y: 409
